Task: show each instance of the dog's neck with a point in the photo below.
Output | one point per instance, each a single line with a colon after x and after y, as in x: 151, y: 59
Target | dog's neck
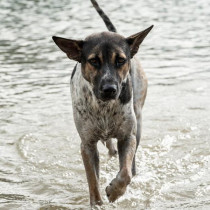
x: 126, y: 91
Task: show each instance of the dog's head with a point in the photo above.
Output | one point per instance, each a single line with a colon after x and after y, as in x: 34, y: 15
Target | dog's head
x: 105, y: 59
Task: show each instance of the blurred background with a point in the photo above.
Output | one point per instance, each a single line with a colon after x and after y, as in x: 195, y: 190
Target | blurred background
x: 40, y: 162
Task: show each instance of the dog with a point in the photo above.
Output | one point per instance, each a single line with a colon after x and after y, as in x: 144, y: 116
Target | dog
x: 108, y: 90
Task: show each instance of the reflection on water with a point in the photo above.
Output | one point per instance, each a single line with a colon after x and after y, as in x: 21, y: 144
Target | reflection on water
x: 40, y: 163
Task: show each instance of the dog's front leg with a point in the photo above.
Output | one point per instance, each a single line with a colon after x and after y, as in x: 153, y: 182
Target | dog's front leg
x: 91, y: 162
x: 126, y: 150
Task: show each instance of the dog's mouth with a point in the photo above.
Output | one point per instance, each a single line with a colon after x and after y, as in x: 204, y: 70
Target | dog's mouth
x: 105, y: 97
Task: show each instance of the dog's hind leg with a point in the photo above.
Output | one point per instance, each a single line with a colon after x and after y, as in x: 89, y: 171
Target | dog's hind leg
x: 91, y: 162
x: 111, y: 147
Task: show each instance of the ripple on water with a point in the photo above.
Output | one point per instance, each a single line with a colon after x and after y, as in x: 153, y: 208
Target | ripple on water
x: 162, y: 181
x: 44, y: 152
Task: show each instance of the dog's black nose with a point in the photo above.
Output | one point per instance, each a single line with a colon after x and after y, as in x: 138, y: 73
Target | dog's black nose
x: 109, y: 90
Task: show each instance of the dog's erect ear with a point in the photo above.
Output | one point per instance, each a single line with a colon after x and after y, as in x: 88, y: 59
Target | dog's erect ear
x: 135, y: 40
x: 72, y: 48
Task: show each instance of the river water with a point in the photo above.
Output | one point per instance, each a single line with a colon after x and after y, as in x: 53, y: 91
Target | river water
x: 40, y: 162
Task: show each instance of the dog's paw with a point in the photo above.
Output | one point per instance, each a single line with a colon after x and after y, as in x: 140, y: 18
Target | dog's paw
x: 115, y: 189
x: 95, y: 204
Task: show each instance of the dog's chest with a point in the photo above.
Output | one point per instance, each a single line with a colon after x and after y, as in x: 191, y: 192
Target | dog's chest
x: 102, y: 119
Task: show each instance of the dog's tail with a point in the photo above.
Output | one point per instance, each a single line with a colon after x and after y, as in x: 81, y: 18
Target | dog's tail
x: 104, y: 17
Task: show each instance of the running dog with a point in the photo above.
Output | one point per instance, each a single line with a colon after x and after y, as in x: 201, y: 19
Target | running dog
x: 108, y: 90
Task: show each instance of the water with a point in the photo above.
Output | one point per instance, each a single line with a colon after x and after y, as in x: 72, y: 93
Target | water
x: 40, y: 162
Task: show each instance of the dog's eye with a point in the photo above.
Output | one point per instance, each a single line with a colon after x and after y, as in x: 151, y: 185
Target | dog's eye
x: 93, y: 61
x: 120, y: 61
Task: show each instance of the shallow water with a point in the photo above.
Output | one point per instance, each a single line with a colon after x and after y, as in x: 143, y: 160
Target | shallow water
x: 40, y: 162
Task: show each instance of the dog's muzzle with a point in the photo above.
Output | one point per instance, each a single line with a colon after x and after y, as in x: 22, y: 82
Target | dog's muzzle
x: 108, y: 92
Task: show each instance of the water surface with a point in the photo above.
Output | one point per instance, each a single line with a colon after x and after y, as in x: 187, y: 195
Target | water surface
x: 40, y: 162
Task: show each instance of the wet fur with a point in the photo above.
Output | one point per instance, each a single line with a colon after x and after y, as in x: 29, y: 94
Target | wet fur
x: 99, y: 119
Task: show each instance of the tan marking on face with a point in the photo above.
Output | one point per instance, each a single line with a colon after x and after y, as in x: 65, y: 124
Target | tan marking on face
x: 122, y: 55
x: 119, y: 54
x: 100, y: 57
x: 113, y: 58
x: 89, y: 72
x: 124, y: 69
x: 94, y: 55
x: 91, y: 56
